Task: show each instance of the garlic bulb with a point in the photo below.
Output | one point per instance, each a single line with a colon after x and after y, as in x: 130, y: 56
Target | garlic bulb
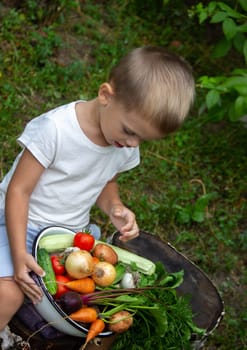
x: 127, y: 280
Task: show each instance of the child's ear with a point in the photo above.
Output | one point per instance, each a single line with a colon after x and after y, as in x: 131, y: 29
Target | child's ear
x: 105, y: 93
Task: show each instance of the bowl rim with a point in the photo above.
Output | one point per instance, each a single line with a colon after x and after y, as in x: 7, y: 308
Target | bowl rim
x: 41, y: 284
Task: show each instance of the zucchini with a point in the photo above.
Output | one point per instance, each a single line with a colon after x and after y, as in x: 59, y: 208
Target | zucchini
x: 44, y: 260
x: 56, y: 242
x: 143, y: 265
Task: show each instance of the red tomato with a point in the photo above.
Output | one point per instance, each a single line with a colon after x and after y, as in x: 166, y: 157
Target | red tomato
x: 84, y: 241
x: 61, y: 288
x: 57, y: 264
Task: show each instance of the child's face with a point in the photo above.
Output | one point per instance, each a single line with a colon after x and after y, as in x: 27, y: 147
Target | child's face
x: 125, y: 129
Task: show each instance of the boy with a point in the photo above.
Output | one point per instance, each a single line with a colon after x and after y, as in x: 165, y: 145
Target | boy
x: 72, y: 156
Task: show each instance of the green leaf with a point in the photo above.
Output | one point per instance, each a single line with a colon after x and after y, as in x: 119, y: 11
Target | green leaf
x: 240, y: 106
x: 211, y: 7
x: 201, y: 12
x: 222, y: 47
x: 238, y: 42
x: 245, y: 51
x: 218, y: 17
x: 232, y: 114
x: 200, y: 206
x: 202, y: 16
x: 212, y: 99
x: 196, y: 329
x: 229, y: 11
x: 183, y: 214
x: 149, y: 280
x: 234, y: 81
x: 243, y: 4
x: 210, y: 82
x: 242, y: 28
x: 241, y: 89
x: 161, y: 321
x: 203, y: 201
x: 198, y: 216
x: 240, y: 71
x: 173, y: 280
x: 229, y: 28
x: 120, y: 271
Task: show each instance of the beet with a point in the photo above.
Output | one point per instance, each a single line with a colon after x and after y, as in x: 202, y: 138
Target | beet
x: 70, y: 302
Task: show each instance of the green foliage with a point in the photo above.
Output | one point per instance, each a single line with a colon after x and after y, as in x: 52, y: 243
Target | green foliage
x: 196, y: 211
x: 227, y: 94
x: 45, y: 11
x: 169, y: 321
x: 233, y: 24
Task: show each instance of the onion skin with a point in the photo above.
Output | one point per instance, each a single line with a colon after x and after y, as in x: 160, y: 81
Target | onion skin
x: 79, y: 264
x: 104, y: 274
x: 120, y: 322
x: 105, y: 253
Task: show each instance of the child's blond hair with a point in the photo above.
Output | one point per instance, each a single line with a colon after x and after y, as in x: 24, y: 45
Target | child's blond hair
x: 155, y: 83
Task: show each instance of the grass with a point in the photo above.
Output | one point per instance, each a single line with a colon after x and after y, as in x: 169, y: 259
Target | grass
x: 191, y: 187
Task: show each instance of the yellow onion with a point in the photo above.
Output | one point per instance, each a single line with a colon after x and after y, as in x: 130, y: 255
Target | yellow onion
x: 104, y: 273
x: 105, y: 253
x: 120, y: 322
x: 79, y: 264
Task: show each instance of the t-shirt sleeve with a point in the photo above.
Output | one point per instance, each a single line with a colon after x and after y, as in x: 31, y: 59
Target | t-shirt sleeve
x: 133, y: 160
x: 39, y: 137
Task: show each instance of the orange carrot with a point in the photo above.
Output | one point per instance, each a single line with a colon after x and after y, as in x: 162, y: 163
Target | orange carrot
x: 82, y: 285
x: 85, y: 314
x: 96, y: 327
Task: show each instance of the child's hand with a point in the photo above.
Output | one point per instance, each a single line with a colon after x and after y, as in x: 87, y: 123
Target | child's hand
x: 27, y: 264
x: 125, y: 222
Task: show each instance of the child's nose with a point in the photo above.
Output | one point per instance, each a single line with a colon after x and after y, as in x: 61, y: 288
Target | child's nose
x: 133, y: 142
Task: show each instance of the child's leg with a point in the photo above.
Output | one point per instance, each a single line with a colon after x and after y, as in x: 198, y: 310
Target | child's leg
x: 11, y: 298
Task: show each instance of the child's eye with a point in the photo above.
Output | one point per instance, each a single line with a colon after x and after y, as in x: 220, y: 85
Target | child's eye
x: 128, y: 132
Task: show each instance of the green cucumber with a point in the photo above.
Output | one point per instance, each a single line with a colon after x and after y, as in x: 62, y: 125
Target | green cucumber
x: 56, y: 242
x: 43, y: 259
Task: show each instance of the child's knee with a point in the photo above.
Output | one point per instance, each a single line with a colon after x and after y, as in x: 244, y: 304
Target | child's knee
x: 10, y: 293
x: 11, y: 298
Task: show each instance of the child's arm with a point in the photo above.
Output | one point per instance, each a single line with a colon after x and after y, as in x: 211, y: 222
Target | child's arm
x: 25, y: 178
x: 122, y: 218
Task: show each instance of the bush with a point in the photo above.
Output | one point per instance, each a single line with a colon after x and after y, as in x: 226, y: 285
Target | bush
x: 226, y: 94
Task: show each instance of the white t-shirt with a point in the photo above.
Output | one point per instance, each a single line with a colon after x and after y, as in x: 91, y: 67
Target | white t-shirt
x: 76, y: 169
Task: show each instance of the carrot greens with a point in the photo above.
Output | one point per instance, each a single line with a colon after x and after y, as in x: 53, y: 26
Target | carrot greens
x: 163, y: 319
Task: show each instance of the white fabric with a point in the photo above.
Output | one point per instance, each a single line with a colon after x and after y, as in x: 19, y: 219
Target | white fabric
x: 10, y: 340
x: 76, y: 169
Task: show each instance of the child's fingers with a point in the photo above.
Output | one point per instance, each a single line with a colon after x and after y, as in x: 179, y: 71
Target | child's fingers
x: 130, y: 226
x: 125, y: 222
x: 34, y: 266
x: 129, y: 234
x: 30, y: 288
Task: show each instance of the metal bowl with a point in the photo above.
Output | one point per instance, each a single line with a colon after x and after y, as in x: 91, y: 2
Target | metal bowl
x: 48, y: 308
